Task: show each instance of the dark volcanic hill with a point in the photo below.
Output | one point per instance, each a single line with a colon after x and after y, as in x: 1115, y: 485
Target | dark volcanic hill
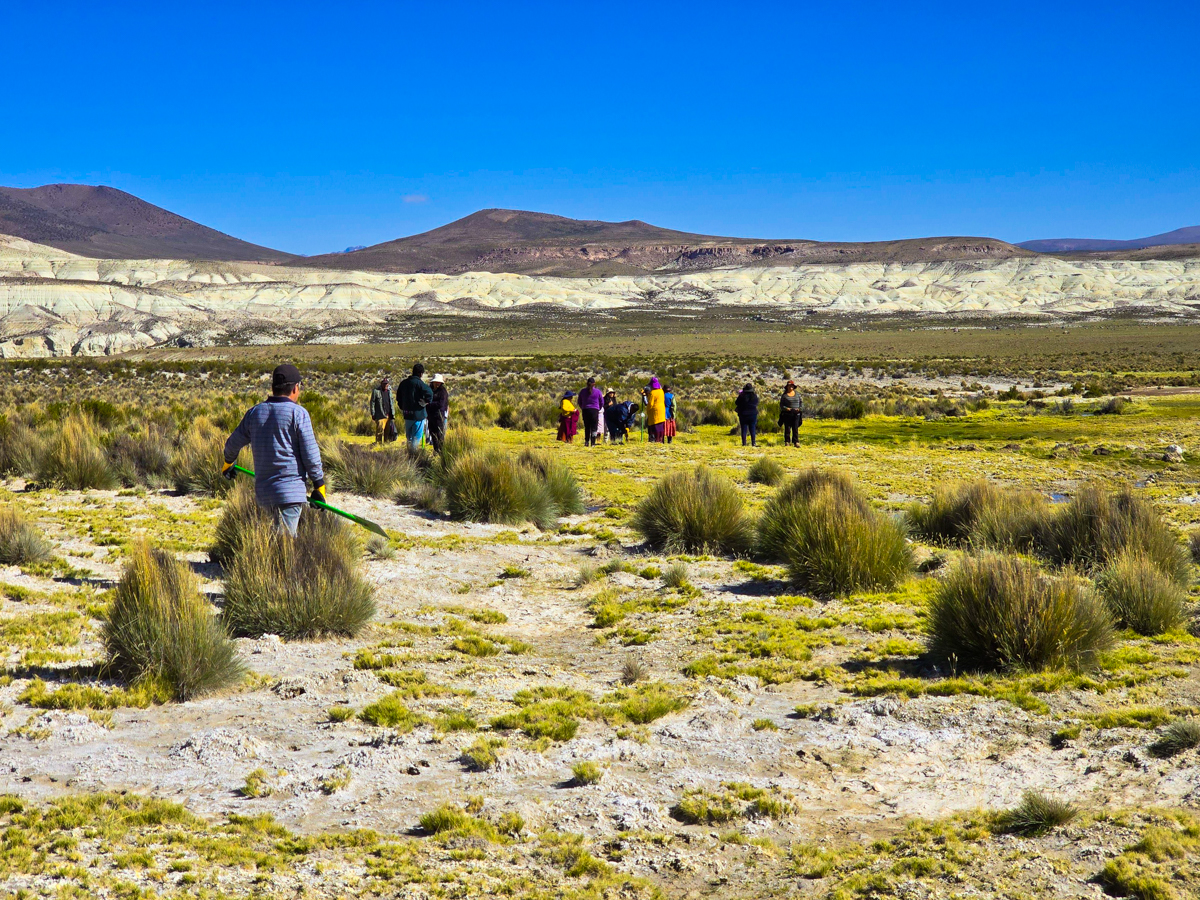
x: 111, y: 224
x: 1091, y: 245
x: 506, y: 240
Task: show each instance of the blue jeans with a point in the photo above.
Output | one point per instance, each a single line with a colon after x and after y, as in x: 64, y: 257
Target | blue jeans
x: 749, y: 427
x: 414, y: 430
x: 287, y: 516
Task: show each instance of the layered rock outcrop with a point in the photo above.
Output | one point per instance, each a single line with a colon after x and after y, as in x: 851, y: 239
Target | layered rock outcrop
x: 54, y: 303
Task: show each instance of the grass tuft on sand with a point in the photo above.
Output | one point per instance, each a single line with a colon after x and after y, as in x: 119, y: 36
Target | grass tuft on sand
x: 695, y: 512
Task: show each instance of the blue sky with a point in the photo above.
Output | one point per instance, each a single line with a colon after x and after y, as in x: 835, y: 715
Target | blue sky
x: 311, y: 127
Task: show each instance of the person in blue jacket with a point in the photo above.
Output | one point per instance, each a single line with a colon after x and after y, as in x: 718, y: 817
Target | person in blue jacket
x: 279, y: 433
x: 412, y: 396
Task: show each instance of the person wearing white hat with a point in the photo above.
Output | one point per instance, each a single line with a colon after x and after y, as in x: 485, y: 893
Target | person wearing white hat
x: 439, y: 411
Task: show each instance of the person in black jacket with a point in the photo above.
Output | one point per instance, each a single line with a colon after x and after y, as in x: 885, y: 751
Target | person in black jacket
x: 791, y: 414
x: 746, y: 405
x: 438, y: 411
x: 412, y: 396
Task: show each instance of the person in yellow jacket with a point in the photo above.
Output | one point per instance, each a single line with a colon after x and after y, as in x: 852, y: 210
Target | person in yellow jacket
x: 656, y: 411
x: 568, y: 418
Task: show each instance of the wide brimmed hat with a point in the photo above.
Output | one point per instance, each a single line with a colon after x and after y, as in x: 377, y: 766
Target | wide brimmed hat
x: 438, y: 379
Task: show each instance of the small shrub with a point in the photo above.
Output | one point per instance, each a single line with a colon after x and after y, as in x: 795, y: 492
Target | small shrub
x: 444, y: 818
x: 198, y: 460
x: 257, y: 784
x: 359, y: 469
x: 676, y: 577
x: 981, y: 513
x: 141, y: 458
x: 483, y: 755
x: 1036, y: 814
x: 511, y: 824
x: 833, y: 542
x: 1194, y: 544
x: 586, y: 772
x: 1113, y: 406
x: 1000, y: 613
x: 764, y: 725
x: 300, y: 587
x: 1096, y: 527
x: 475, y: 645
x: 773, y: 536
x: 511, y: 571
x: 160, y: 627
x: 390, y: 712
x: 695, y: 512
x: 587, y: 575
x: 341, y: 713
x: 456, y: 720
x: 647, y: 703
x: 380, y: 547
x: 20, y: 448
x: 20, y: 542
x: 1140, y: 596
x: 633, y: 671
x: 1179, y: 736
x: 335, y: 780
x: 766, y: 471
x: 1126, y: 876
x: 494, y: 487
x: 73, y: 459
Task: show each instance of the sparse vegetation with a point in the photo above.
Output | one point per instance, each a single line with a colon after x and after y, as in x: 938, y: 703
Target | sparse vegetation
x: 492, y: 486
x: 766, y: 471
x: 633, y: 670
x: 360, y: 469
x: 297, y: 588
x: 159, y: 627
x: 983, y: 514
x: 695, y: 512
x: 586, y: 772
x: 1140, y: 596
x: 1178, y: 737
x: 21, y: 543
x: 74, y: 460
x: 831, y: 539
x: 1000, y: 613
x: 1036, y: 814
x: 483, y: 755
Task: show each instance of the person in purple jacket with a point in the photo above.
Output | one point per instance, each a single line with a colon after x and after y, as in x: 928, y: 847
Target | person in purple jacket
x: 590, y: 402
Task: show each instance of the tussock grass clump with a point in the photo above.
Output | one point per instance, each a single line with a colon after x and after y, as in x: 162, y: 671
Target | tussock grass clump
x: 1179, y: 736
x: 198, y: 460
x: 831, y: 538
x: 303, y: 587
x: 981, y: 513
x: 766, y: 471
x: 676, y: 577
x: 20, y: 542
x: 1000, y: 613
x: 633, y: 670
x: 1036, y: 815
x: 1096, y: 527
x: 359, y: 469
x: 74, y: 460
x: 695, y: 512
x: 735, y: 799
x: 492, y: 486
x: 160, y: 627
x: 390, y: 712
x: 450, y: 819
x: 1194, y: 544
x: 239, y: 516
x: 586, y: 772
x: 143, y: 457
x: 20, y: 447
x: 483, y: 755
x: 1140, y: 596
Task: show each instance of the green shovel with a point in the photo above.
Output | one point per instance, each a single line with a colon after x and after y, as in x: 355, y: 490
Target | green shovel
x: 357, y: 520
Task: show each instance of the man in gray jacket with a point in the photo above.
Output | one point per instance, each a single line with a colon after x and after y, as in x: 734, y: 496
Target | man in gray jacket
x: 279, y: 432
x: 382, y: 410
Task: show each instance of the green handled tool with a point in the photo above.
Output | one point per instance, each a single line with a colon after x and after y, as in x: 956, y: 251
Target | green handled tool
x: 357, y: 520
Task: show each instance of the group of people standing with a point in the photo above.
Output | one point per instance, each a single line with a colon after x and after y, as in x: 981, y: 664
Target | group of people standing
x: 791, y: 414
x: 606, y: 418
x: 425, y: 409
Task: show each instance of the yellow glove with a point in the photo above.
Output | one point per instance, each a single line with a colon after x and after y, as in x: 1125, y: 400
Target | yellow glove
x: 228, y: 471
x: 318, y: 492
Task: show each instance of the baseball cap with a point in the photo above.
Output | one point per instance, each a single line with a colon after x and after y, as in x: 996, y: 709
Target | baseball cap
x: 284, y: 375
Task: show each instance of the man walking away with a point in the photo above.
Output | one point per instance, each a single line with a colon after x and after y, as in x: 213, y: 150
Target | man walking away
x: 285, y: 451
x: 382, y: 410
x: 412, y: 396
x: 670, y: 423
x: 747, y: 413
x: 791, y: 414
x: 591, y: 401
x: 439, y: 411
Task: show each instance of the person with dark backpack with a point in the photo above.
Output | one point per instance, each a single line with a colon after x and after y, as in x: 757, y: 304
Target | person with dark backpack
x: 412, y: 396
x: 746, y: 405
x: 791, y: 414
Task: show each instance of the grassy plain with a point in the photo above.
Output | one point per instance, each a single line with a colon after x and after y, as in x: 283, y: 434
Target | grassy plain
x: 587, y: 717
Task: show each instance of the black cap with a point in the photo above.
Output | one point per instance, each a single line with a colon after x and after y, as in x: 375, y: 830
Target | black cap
x: 284, y: 376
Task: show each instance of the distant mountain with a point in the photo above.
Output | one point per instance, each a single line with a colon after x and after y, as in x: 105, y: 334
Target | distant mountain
x: 104, y: 222
x: 507, y: 240
x: 1091, y: 245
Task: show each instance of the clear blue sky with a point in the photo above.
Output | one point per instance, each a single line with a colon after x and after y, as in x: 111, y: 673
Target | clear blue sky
x: 311, y: 127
